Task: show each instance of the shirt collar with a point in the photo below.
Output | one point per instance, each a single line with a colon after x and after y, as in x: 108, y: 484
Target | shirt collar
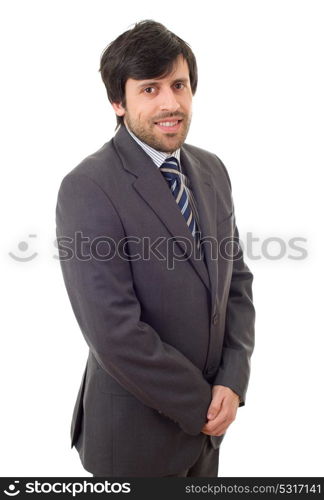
x: 158, y: 157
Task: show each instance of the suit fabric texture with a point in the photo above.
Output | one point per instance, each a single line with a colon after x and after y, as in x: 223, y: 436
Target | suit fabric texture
x: 162, y: 326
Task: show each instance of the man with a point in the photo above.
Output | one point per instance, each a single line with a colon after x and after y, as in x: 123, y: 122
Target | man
x: 163, y: 300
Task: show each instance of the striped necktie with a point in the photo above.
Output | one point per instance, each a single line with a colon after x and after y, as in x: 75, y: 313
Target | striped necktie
x: 171, y: 173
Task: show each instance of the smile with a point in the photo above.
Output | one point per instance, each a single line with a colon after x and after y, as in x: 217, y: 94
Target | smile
x: 169, y: 126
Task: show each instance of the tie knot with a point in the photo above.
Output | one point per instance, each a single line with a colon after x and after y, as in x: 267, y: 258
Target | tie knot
x: 170, y: 168
x: 171, y: 162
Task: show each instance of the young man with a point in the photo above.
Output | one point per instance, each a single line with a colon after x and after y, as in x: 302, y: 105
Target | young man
x: 144, y: 226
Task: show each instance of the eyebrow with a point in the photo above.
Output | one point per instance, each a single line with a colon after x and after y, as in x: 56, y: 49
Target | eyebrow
x: 157, y: 82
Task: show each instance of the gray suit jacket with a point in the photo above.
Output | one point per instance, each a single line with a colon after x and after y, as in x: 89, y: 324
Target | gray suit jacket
x: 162, y: 326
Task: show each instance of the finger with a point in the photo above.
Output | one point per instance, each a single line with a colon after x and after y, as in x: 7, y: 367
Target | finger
x: 224, y: 418
x: 216, y: 433
x: 220, y: 431
x: 227, y: 414
x: 216, y: 430
x: 214, y: 407
x: 219, y: 421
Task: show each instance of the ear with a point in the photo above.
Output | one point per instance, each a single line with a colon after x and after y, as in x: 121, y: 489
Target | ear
x: 118, y: 108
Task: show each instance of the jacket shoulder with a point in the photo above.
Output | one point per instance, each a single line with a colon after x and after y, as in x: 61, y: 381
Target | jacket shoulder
x: 210, y: 161
x: 95, y: 164
x: 100, y: 168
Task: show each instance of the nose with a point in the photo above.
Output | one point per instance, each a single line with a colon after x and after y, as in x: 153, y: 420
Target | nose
x: 168, y: 101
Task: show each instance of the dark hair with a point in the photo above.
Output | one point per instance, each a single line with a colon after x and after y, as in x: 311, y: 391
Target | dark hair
x: 146, y: 51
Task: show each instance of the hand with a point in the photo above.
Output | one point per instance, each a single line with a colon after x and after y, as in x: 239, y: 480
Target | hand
x: 222, y: 410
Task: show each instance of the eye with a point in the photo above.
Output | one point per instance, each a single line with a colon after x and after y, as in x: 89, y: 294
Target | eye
x: 149, y: 90
x: 179, y: 85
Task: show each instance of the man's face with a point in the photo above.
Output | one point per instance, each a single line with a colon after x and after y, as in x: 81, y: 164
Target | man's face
x: 158, y: 110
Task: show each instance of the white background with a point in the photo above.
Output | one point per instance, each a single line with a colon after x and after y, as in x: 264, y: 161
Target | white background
x: 259, y: 107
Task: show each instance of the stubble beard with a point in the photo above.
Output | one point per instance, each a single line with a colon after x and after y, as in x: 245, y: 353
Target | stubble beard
x: 146, y: 134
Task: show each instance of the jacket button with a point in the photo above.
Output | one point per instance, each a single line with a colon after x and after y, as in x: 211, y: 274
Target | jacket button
x: 215, y: 318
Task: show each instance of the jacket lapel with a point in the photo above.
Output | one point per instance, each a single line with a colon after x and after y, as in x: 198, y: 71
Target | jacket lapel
x: 151, y: 186
x: 206, y: 200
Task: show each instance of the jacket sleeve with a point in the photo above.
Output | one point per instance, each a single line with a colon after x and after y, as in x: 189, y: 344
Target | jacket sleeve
x: 234, y: 370
x: 103, y: 299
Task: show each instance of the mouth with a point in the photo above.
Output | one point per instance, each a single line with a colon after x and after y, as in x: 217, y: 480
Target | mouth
x: 169, y: 125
